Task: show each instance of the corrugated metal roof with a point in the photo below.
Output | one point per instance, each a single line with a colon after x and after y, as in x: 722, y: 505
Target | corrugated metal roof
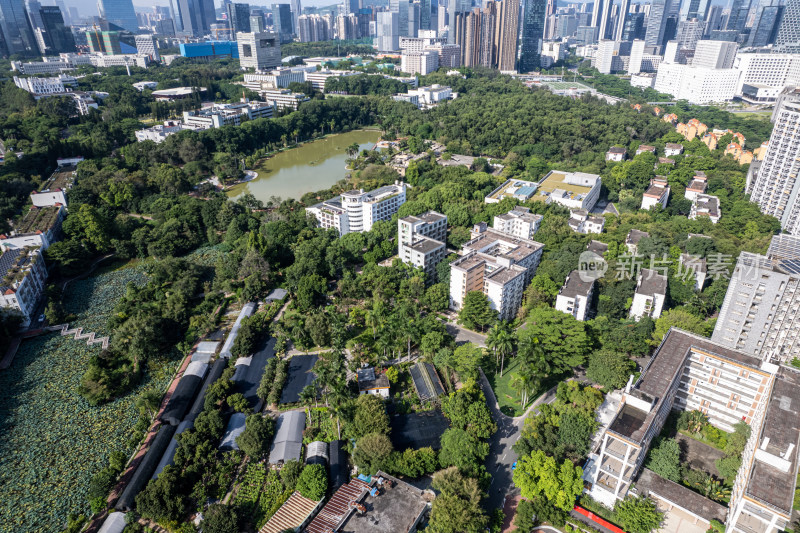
x: 235, y: 428
x: 338, y: 507
x: 291, y: 515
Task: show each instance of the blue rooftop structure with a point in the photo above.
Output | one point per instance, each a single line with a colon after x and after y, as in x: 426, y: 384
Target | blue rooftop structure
x: 210, y: 49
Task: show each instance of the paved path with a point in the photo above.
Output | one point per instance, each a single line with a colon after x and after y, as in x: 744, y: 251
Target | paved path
x: 501, y: 455
x: 464, y: 335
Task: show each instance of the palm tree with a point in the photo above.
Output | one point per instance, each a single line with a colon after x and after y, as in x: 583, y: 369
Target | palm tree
x: 296, y: 135
x: 492, y: 340
x: 505, y: 345
x: 371, y: 319
x: 713, y: 489
x: 309, y: 394
x: 332, y: 124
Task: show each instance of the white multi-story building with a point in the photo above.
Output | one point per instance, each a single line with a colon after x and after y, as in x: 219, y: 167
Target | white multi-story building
x: 575, y: 297
x: 39, y: 228
x: 760, y: 312
x: 581, y: 221
x: 705, y: 205
x: 259, y: 51
x: 656, y: 194
x: 715, y: 54
x: 277, y: 79
x: 697, y: 185
x: 422, y: 63
x: 651, y: 292
x: 698, y: 85
x: 771, y: 70
x: 574, y: 190
x: 23, y: 282
x: 432, y: 95
x: 672, y: 149
x: 160, y: 132
x: 146, y: 46
x: 319, y: 78
x: 219, y: 115
x: 421, y: 241
x: 54, y: 191
x: 46, y: 86
x: 519, y: 222
x: 616, y: 154
x: 774, y: 186
x: 283, y: 98
x: 496, y: 264
x: 356, y: 211
x: 418, y: 44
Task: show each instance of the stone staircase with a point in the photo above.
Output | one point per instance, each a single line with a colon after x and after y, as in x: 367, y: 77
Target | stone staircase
x: 79, y: 335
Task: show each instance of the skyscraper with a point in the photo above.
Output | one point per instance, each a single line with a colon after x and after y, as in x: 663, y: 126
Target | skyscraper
x: 350, y: 7
x: 507, y: 34
x: 33, y: 7
x: 401, y: 7
x: 296, y: 12
x: 657, y: 22
x: 425, y: 15
x: 788, y: 39
x: 601, y: 18
x: 57, y: 37
x: 388, y: 32
x: 119, y: 13
x: 197, y: 16
x: 282, y: 21
x: 694, y: 9
x: 773, y: 185
x: 17, y: 35
x: 766, y: 23
x: 238, y: 18
x: 738, y: 15
x: 453, y: 7
x: 622, y: 17
x: 532, y: 35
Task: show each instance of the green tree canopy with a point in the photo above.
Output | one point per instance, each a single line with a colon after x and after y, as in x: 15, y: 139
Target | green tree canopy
x: 539, y: 475
x: 463, y: 450
x: 476, y: 312
x: 256, y: 438
x: 665, y: 460
x: 313, y: 482
x: 372, y: 452
x: 638, y: 515
x: 370, y: 417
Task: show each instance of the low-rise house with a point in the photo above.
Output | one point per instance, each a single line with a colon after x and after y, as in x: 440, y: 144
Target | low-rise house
x: 519, y: 222
x: 665, y: 161
x: 616, y: 153
x: 40, y: 227
x: 581, y: 221
x: 673, y: 149
x: 597, y: 247
x: 646, y: 148
x: 394, y: 504
x: 236, y: 426
x: 575, y: 297
x: 22, y: 285
x: 371, y: 382
x: 421, y: 241
x: 651, y: 292
x: 656, y: 194
x: 160, y: 132
x: 696, y: 266
x: 697, y: 185
x: 633, y: 238
x: 705, y: 205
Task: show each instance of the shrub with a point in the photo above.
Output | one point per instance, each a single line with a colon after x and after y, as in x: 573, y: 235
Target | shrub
x: 313, y: 482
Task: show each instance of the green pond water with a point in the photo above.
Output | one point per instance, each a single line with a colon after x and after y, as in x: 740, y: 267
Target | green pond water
x: 313, y: 166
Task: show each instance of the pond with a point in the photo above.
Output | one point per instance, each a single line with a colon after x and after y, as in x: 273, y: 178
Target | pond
x: 310, y: 167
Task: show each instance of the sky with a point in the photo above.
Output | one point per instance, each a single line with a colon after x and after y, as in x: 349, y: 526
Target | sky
x: 89, y: 7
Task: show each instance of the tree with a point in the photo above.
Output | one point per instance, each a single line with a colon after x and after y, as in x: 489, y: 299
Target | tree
x: 575, y: 431
x: 609, y: 369
x: 466, y: 409
x: 313, y: 482
x: 665, y: 460
x: 476, y: 312
x: 457, y: 509
x: 310, y: 291
x: 638, y: 515
x: 463, y: 450
x: 162, y: 499
x: 728, y: 466
x: 290, y: 473
x: 220, y: 518
x: 372, y: 452
x: 679, y: 318
x: 370, y: 417
x: 561, y: 336
x: 238, y: 403
x: 256, y: 438
x: 466, y: 359
x: 539, y: 475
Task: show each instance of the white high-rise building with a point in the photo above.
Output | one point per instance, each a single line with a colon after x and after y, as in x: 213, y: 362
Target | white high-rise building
x: 698, y: 85
x: 421, y: 241
x: 356, y: 211
x: 388, y: 32
x: 773, y: 70
x: 774, y: 185
x: 419, y: 62
x: 715, y: 54
x: 259, y: 51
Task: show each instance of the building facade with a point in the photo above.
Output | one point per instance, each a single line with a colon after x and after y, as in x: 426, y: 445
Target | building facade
x: 421, y: 241
x: 575, y: 297
x: 650, y: 295
x: 23, y: 282
x: 356, y: 211
x: 259, y: 51
x: 519, y: 222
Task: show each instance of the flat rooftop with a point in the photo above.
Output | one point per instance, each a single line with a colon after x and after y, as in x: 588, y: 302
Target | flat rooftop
x: 565, y: 86
x: 503, y: 275
x: 396, y: 509
x: 38, y: 219
x: 780, y: 437
x: 651, y: 283
x: 597, y: 247
x: 521, y: 188
x: 557, y: 180
x: 60, y: 179
x: 648, y: 481
x: 655, y: 191
x: 425, y: 245
x: 635, y: 235
x: 662, y: 370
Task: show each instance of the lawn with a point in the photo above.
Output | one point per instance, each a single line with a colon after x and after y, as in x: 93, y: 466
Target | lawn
x: 507, y: 397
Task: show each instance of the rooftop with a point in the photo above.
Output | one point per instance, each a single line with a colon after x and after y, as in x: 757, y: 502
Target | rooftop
x: 674, y: 146
x: 635, y: 235
x: 694, y: 262
x: 14, y: 265
x: 38, y: 219
x: 697, y: 185
x: 597, y: 247
x: 426, y: 381
x: 774, y: 475
x: 688, y: 499
x: 425, y: 244
x: 338, y: 507
x: 651, y: 283
x: 288, y: 442
x: 62, y: 178
x: 568, y: 181
x: 178, y: 91
x: 290, y: 515
x: 395, y: 509
x: 369, y: 380
x: 656, y: 191
x: 617, y: 150
x: 520, y: 189
x: 707, y: 204
x: 575, y: 286
x: 503, y: 275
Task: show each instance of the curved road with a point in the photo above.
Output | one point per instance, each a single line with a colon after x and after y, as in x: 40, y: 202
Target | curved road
x: 501, y: 455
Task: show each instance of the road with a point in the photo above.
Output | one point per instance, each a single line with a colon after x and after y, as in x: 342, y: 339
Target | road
x: 501, y: 455
x: 464, y: 335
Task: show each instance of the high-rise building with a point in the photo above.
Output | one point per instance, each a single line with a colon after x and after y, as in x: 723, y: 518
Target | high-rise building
x: 453, y: 7
x: 401, y: 7
x: 106, y: 42
x: 260, y: 51
x: 17, y: 35
x: 766, y: 22
x: 33, y: 7
x: 119, y: 13
x: 690, y: 31
x: 238, y: 18
x: 297, y: 10
x: 601, y: 18
x: 425, y: 15
x: 657, y: 23
x: 788, y: 39
x: 714, y: 54
x: 315, y: 28
x: 532, y: 35
x: 57, y: 36
x: 146, y: 46
x: 350, y: 7
x: 773, y: 186
x: 634, y: 27
x: 347, y: 27
x: 257, y: 24
x: 695, y: 9
x: 196, y: 16
x: 282, y: 22
x: 738, y: 15
x: 507, y: 34
x: 622, y: 19
x: 165, y: 27
x: 421, y: 241
x: 388, y: 32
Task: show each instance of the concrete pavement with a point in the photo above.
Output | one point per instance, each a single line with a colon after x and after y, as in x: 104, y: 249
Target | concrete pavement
x: 464, y: 335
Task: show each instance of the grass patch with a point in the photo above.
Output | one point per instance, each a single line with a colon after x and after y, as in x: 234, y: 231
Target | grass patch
x: 507, y: 397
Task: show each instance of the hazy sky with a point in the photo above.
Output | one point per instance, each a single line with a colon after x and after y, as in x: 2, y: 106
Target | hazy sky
x: 89, y: 7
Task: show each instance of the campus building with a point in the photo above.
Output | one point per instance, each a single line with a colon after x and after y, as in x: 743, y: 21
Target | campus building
x: 159, y: 132
x: 54, y: 191
x: 40, y: 227
x: 656, y: 194
x: 23, y: 281
x: 356, y: 210
x: 259, y: 51
x: 651, y: 292
x: 760, y: 312
x: 421, y: 241
x: 219, y: 115
x: 575, y: 297
x: 496, y: 264
x: 519, y: 222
